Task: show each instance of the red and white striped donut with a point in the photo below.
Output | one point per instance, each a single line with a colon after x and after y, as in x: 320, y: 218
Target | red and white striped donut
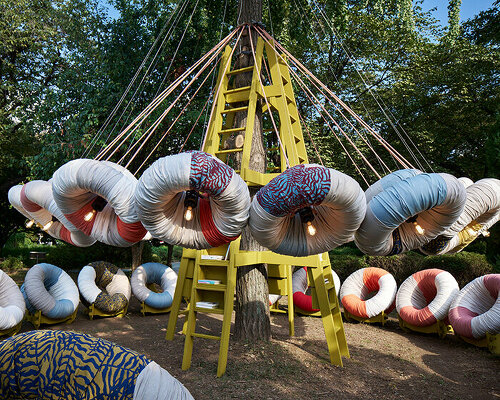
x: 300, y: 285
x: 425, y: 297
x: 358, y: 286
x: 476, y: 309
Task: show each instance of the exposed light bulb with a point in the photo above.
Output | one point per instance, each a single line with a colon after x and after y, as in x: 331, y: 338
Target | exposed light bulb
x: 486, y: 233
x: 88, y: 217
x: 188, y: 215
x: 311, y: 229
x: 418, y: 228
x: 47, y: 226
x: 30, y: 223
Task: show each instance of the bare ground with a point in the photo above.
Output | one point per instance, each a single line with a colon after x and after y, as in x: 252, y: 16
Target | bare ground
x: 385, y: 362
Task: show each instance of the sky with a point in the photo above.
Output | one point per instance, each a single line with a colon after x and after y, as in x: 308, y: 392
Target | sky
x: 468, y: 9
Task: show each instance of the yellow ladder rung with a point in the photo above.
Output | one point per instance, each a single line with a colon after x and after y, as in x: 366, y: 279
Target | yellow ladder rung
x: 232, y: 130
x: 210, y: 310
x: 228, y: 151
x: 233, y: 110
x: 206, y: 286
x: 205, y: 336
x: 237, y: 90
x: 240, y: 71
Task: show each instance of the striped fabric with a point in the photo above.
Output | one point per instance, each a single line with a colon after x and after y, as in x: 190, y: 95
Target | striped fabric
x: 12, y: 306
x: 150, y: 273
x: 425, y: 297
x: 357, y: 290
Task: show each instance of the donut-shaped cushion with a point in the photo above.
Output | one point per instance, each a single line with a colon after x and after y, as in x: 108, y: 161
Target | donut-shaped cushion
x: 37, y: 199
x: 104, y: 285
x: 12, y: 306
x: 432, y: 202
x: 150, y: 273
x: 357, y: 288
x: 80, y: 188
x: 481, y: 211
x: 338, y: 207
x: 51, y: 290
x: 49, y: 365
x: 220, y: 200
x: 425, y: 297
x: 299, y: 284
x: 476, y: 309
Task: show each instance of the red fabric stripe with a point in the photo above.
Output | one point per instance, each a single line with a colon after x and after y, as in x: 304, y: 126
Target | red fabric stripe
x: 76, y: 218
x: 492, y: 284
x: 303, y: 301
x: 371, y: 275
x: 426, y: 282
x: 208, y: 228
x: 460, y: 318
x: 416, y: 317
x: 354, y: 305
x: 133, y: 232
x: 65, y: 235
x: 28, y: 205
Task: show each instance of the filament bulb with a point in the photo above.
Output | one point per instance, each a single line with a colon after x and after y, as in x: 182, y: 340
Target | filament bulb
x: 88, y: 217
x: 188, y: 215
x: 486, y: 233
x: 47, y: 226
x: 30, y: 223
x: 311, y: 229
x: 418, y: 228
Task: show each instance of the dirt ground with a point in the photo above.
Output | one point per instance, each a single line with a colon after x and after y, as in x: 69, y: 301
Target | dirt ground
x: 385, y: 363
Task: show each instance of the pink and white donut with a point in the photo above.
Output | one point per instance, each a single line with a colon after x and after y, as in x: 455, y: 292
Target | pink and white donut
x: 425, y: 297
x: 476, y: 309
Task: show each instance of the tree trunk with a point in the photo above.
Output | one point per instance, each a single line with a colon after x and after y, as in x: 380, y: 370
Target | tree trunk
x: 252, y: 293
x: 137, y: 254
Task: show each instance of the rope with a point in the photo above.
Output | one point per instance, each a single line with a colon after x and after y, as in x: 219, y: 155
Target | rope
x: 310, y: 137
x: 196, y: 122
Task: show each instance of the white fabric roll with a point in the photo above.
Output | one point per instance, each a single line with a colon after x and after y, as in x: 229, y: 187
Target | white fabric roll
x: 15, y: 199
x: 86, y: 284
x: 12, y: 305
x: 119, y: 284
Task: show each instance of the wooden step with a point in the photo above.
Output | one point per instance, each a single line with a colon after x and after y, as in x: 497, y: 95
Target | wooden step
x: 228, y: 151
x: 205, y: 336
x: 234, y: 110
x: 207, y: 286
x: 232, y: 130
x: 240, y: 71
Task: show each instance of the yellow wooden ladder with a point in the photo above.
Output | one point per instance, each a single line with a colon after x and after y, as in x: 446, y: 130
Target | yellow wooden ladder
x: 222, y: 262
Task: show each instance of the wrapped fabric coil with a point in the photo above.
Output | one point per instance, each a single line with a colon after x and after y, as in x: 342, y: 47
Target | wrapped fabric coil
x: 12, y: 306
x: 410, y: 213
x: 389, y: 180
x: 308, y: 209
x: 425, y: 297
x: 299, y: 285
x: 98, y: 198
x: 481, y: 211
x: 59, y: 365
x: 357, y: 288
x: 51, y: 290
x: 192, y: 200
x: 104, y: 285
x: 159, y: 274
x: 476, y: 309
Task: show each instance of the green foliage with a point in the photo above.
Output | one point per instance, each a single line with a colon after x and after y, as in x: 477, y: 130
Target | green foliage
x: 11, y: 263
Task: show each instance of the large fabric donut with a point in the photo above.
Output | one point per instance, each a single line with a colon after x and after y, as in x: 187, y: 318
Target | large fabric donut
x: 338, y: 207
x: 59, y: 365
x: 299, y: 284
x: 476, y: 309
x: 37, y: 199
x: 218, y: 216
x: 12, y: 306
x: 481, y: 211
x: 14, y: 196
x: 51, y: 290
x: 434, y: 200
x: 160, y: 274
x: 425, y: 297
x: 78, y: 184
x: 104, y: 285
x: 358, y: 286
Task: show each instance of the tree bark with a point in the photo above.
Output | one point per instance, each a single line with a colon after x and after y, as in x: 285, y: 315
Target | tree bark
x: 137, y: 254
x: 252, y: 293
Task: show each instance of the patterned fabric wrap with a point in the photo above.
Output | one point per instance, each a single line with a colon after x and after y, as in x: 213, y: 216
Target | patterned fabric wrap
x: 300, y: 286
x: 51, y: 290
x: 150, y: 273
x: 425, y: 297
x: 76, y: 185
x: 104, y: 285
x: 12, y: 306
x: 481, y: 211
x: 476, y: 309
x: 39, y: 193
x: 436, y: 199
x: 338, y: 205
x: 356, y: 290
x: 220, y: 215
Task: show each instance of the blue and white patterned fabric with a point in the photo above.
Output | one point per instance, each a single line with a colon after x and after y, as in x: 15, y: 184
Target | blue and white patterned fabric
x: 51, y: 290
x: 160, y: 274
x: 437, y: 200
x: 337, y: 201
x: 60, y: 365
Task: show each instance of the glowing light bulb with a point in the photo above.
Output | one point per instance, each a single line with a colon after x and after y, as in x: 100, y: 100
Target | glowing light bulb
x: 30, y: 223
x: 418, y: 228
x: 47, y: 226
x: 486, y: 233
x: 188, y: 215
x: 311, y: 229
x: 88, y: 217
